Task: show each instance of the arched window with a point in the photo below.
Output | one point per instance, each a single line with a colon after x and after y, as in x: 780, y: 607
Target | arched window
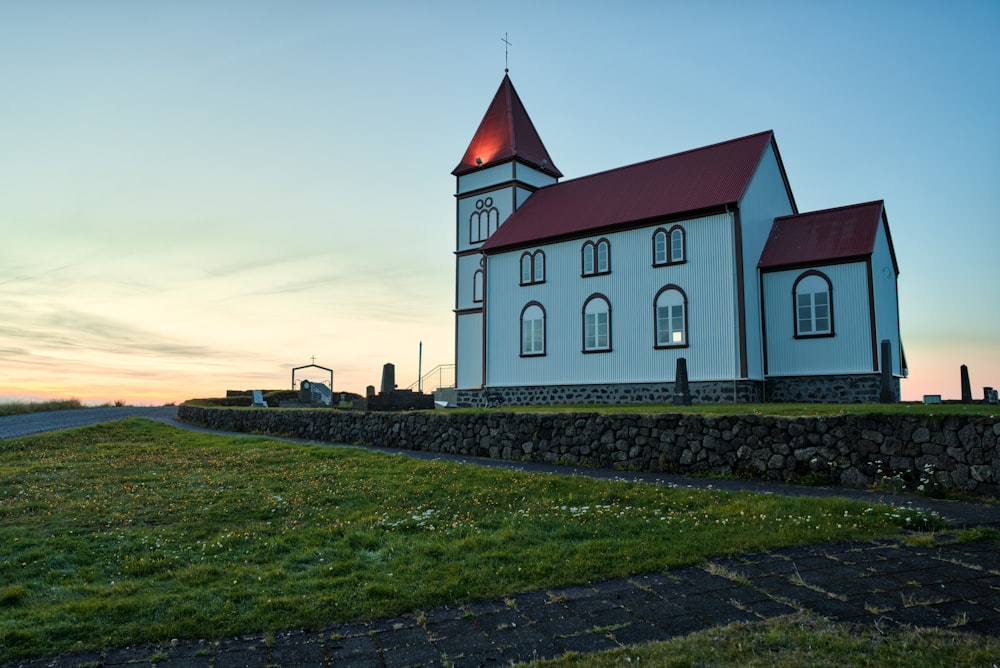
x: 538, y: 267
x: 603, y: 256
x: 493, y: 220
x: 812, y: 295
x: 477, y: 285
x: 525, y: 268
x: 532, y: 267
x: 670, y: 316
x: 659, y: 247
x: 669, y: 246
x: 678, y: 253
x: 484, y: 221
x: 596, y: 257
x: 596, y: 324
x: 532, y: 330
x: 587, y: 258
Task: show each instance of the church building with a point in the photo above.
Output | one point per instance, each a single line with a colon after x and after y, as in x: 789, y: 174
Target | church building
x: 588, y: 290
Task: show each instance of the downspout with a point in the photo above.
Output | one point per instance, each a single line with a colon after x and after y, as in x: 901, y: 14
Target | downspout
x: 736, y: 315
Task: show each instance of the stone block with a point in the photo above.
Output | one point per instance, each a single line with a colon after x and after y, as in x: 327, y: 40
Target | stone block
x: 981, y: 473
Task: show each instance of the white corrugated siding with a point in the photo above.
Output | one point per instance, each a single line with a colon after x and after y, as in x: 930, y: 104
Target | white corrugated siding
x: 467, y: 266
x: 848, y: 351
x: 469, y: 360
x: 707, y: 279
x: 765, y: 199
x: 486, y: 177
x: 533, y: 176
x: 886, y: 305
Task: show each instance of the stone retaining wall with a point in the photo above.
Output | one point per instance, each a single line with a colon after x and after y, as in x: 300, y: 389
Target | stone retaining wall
x: 955, y: 453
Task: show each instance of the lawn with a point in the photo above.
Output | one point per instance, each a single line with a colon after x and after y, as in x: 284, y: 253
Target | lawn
x: 801, y: 641
x: 23, y: 408
x: 134, y: 531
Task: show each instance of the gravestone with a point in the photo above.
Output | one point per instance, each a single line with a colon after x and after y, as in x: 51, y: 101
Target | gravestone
x: 388, y: 378
x: 887, y: 393
x: 966, y: 386
x: 682, y: 390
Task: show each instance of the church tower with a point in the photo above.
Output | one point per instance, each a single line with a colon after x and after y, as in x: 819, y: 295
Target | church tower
x: 505, y: 162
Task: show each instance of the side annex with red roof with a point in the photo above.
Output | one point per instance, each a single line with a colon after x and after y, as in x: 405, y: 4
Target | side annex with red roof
x: 591, y: 289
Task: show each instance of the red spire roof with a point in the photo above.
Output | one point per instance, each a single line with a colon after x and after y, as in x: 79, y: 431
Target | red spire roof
x: 505, y: 133
x: 695, y: 180
x: 820, y: 236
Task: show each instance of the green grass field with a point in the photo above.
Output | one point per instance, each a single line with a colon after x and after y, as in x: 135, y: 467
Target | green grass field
x: 134, y: 531
x: 802, y: 641
x: 25, y: 407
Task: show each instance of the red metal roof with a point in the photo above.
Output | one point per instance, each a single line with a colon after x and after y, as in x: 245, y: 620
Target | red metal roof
x: 694, y: 180
x: 506, y: 132
x: 832, y: 234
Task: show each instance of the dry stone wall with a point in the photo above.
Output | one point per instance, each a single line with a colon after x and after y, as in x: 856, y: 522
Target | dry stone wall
x: 954, y: 453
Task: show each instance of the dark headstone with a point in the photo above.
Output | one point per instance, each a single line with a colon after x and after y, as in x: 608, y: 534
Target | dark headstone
x: 305, y: 392
x: 388, y: 378
x: 370, y: 391
x: 966, y: 386
x: 887, y: 392
x: 682, y: 391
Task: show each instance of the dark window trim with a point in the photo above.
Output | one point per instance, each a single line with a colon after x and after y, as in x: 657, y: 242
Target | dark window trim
x: 594, y: 245
x: 482, y: 286
x: 533, y: 258
x: 545, y: 331
x: 583, y: 325
x: 666, y: 246
x: 795, y: 306
x: 668, y: 234
x: 670, y: 245
x: 656, y: 338
x: 484, y: 206
x: 534, y: 267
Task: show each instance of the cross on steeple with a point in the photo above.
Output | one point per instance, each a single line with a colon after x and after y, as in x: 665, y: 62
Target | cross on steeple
x: 314, y: 359
x: 506, y: 52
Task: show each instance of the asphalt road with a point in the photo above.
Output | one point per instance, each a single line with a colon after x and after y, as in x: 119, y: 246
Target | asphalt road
x: 13, y: 426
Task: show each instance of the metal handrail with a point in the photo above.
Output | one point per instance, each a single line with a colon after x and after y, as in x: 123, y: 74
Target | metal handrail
x: 441, y: 370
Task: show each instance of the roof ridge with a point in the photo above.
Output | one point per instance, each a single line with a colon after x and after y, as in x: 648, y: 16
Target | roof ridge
x: 666, y: 157
x: 831, y: 209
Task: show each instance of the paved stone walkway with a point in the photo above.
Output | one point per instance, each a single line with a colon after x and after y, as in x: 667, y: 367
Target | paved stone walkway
x: 883, y: 583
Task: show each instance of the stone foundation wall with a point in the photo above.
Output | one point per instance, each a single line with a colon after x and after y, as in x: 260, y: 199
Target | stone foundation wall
x: 847, y: 389
x: 713, y: 392
x: 957, y: 453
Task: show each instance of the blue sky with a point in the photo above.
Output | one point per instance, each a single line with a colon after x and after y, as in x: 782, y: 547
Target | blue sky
x: 198, y: 196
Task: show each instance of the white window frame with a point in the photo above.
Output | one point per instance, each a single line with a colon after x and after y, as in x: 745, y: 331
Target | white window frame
x: 670, y: 317
x: 597, y: 324
x: 532, y: 330
x: 812, y: 305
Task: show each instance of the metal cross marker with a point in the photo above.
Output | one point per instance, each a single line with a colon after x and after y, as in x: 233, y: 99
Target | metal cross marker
x: 506, y: 51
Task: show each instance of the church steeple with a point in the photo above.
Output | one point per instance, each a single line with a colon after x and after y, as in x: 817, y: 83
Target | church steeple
x: 506, y: 133
x: 505, y: 163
